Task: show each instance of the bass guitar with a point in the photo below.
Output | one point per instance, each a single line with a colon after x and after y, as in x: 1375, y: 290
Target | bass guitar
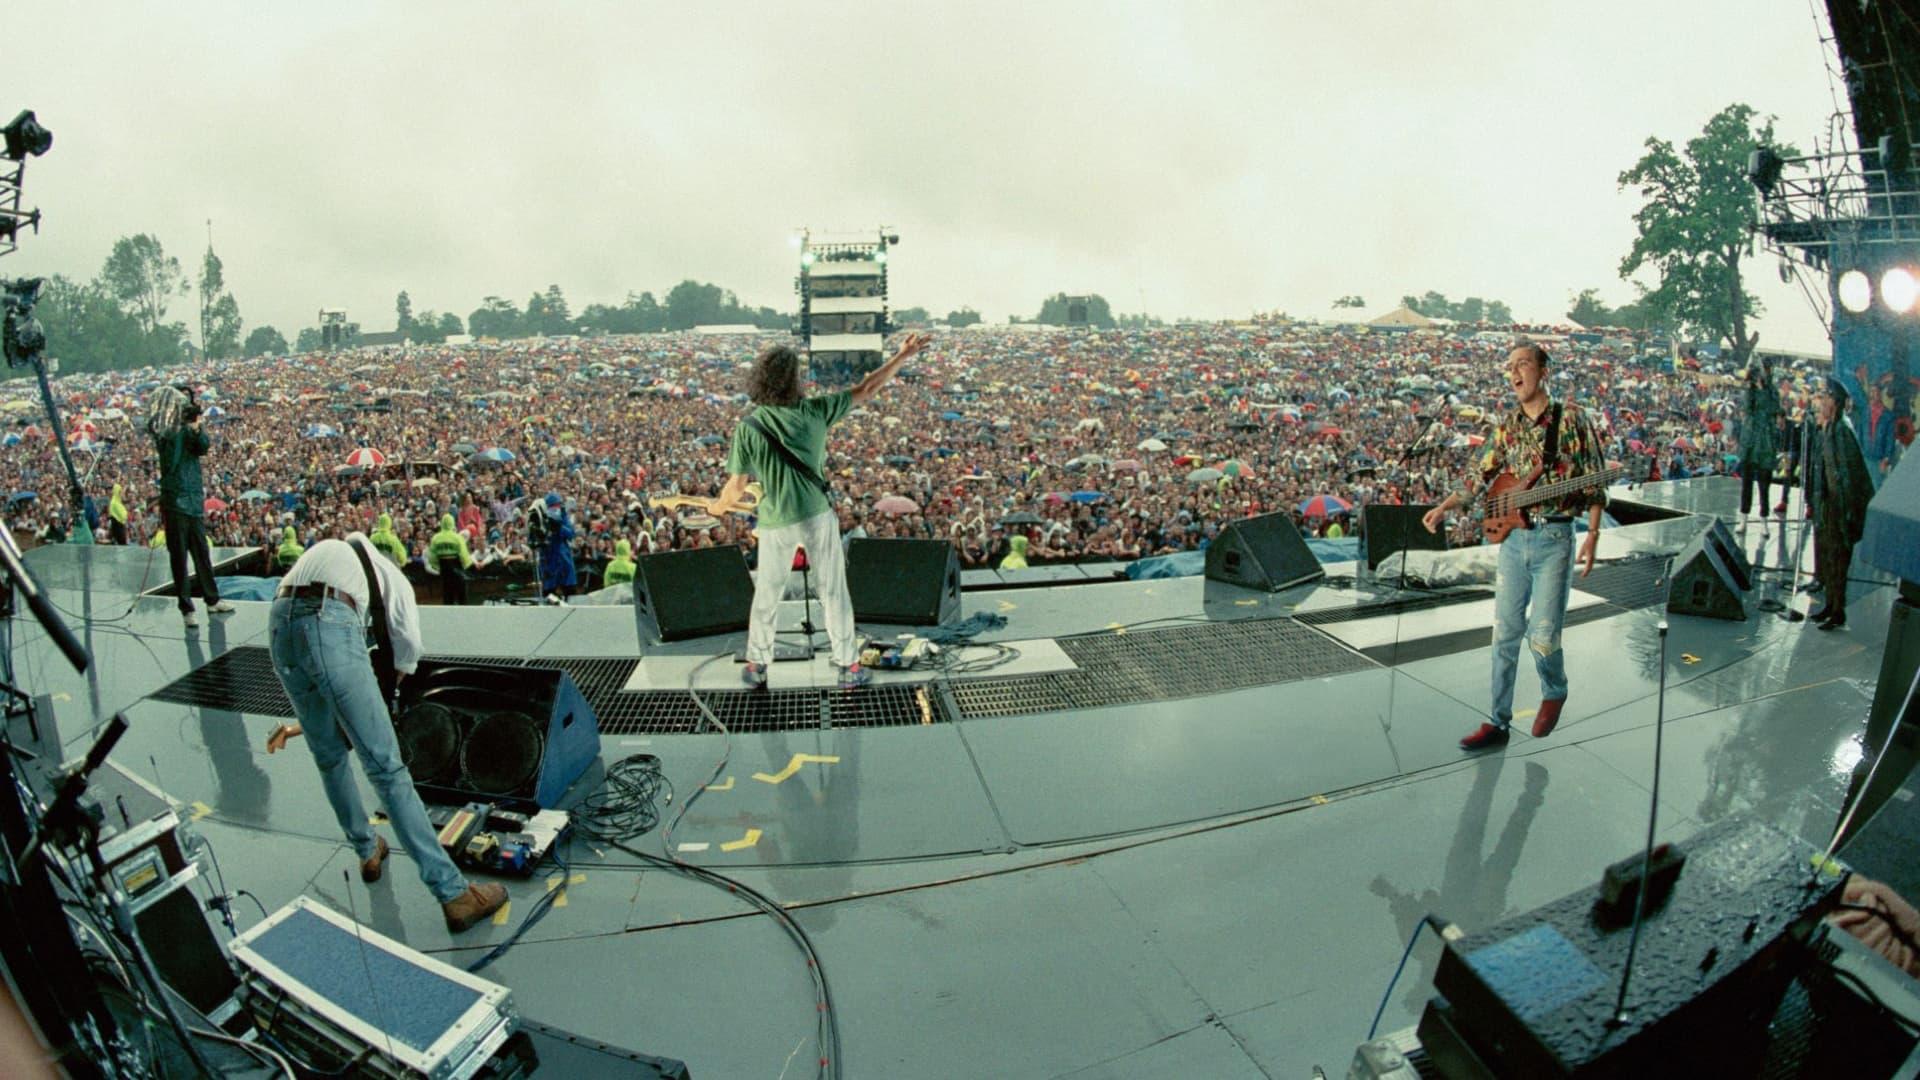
x: 1509, y: 496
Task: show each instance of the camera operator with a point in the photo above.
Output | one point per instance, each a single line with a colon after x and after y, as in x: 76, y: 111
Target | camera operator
x: 173, y: 421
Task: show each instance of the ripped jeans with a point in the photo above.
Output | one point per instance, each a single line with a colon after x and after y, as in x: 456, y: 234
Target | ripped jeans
x: 1535, y: 566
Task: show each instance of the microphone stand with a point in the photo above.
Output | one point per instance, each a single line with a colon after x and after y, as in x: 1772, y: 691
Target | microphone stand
x: 1619, y: 1016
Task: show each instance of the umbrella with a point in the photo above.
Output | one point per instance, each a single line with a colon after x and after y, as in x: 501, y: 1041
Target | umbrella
x: 1023, y: 517
x: 1152, y: 446
x: 898, y: 460
x: 710, y: 440
x: 497, y: 455
x: 348, y: 470
x: 367, y: 457
x: 321, y: 431
x: 215, y: 412
x: 1204, y: 476
x: 1233, y: 467
x: 11, y: 439
x: 22, y: 496
x: 1126, y: 465
x: 1244, y: 425
x: 1636, y: 446
x: 896, y: 504
x: 949, y: 415
x: 1091, y: 423
x: 1321, y: 506
x: 426, y: 482
x: 1087, y: 496
x: 214, y: 506
x: 254, y: 495
x: 463, y: 447
x: 1684, y: 443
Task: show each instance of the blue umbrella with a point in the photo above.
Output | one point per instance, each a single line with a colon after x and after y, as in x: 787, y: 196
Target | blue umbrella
x: 710, y: 440
x: 321, y: 431
x: 1087, y: 496
x: 11, y: 439
x: 494, y: 454
x: 949, y: 415
x: 22, y: 496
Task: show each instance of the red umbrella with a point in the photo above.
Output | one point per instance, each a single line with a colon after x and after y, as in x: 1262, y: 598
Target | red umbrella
x: 366, y: 457
x: 1321, y: 506
x: 215, y: 506
x: 896, y: 504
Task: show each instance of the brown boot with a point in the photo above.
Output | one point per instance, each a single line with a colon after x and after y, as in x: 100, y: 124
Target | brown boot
x: 370, y: 867
x: 478, y: 902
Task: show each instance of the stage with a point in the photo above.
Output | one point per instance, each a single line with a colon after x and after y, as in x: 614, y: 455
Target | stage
x: 1187, y: 829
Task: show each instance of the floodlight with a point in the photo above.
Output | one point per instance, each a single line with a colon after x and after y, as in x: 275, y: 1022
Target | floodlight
x: 1898, y: 290
x: 806, y: 259
x: 25, y: 136
x: 880, y: 256
x: 1856, y: 291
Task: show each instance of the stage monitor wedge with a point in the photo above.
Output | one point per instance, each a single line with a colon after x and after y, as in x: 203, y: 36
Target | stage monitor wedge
x: 692, y: 593
x: 1704, y: 583
x: 487, y: 734
x: 1264, y: 553
x: 903, y: 582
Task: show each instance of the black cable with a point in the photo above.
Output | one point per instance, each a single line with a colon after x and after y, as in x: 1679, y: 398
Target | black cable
x: 1859, y: 986
x: 625, y: 805
x: 539, y: 911
x: 1428, y: 920
x: 256, y: 902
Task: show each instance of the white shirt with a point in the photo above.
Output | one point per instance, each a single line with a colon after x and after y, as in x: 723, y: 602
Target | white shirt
x: 333, y: 563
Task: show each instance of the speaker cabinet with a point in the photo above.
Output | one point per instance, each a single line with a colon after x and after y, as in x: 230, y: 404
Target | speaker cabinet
x: 519, y: 735
x: 1391, y: 530
x: 904, y: 582
x: 1704, y: 581
x: 692, y: 593
x: 1264, y: 553
x: 1738, y: 566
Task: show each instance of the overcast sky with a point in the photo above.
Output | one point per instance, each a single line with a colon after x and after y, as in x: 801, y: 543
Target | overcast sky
x: 1203, y: 159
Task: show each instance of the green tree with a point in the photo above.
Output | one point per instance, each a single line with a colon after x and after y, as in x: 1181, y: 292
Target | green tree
x: 144, y: 279
x: 87, y: 329
x: 694, y: 303
x: 966, y: 316
x: 265, y: 341
x: 911, y: 316
x: 495, y: 318
x: 1350, y: 301
x: 1499, y: 313
x: 555, y: 316
x: 1695, y: 226
x: 219, y: 311
x: 307, y: 340
x: 403, y: 314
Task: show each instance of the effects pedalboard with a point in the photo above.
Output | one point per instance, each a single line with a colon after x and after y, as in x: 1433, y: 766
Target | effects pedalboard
x: 483, y: 837
x: 905, y: 652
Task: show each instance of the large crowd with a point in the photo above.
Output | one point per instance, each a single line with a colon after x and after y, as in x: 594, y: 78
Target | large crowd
x: 1092, y: 445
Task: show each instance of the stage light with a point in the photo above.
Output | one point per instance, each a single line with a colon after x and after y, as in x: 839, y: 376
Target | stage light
x: 1856, y: 291
x: 880, y: 256
x: 1898, y: 290
x: 1763, y: 169
x: 25, y: 136
x: 807, y: 259
x: 794, y: 240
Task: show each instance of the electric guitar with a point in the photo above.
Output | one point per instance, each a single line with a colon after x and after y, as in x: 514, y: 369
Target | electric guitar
x: 674, y: 502
x: 1508, y: 497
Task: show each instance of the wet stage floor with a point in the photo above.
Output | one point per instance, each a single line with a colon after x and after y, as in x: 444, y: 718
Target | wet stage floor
x: 1212, y: 885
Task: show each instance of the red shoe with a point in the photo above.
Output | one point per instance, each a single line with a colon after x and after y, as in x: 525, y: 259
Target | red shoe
x: 1486, y: 737
x: 1548, y: 716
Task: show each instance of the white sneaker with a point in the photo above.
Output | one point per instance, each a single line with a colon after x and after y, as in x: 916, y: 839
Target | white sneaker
x: 190, y: 619
x: 222, y: 608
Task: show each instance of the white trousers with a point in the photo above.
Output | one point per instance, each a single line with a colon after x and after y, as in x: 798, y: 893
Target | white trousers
x: 820, y: 535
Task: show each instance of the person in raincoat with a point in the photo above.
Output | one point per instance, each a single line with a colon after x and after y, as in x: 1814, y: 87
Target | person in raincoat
x: 448, y: 556
x: 1017, y: 554
x: 290, y: 548
x: 620, y: 569
x: 386, y: 541
x: 557, y: 575
x: 1838, y: 488
x: 1759, y: 444
x: 117, y: 517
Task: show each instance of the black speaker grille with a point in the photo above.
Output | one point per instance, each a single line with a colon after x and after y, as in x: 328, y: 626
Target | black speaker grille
x: 502, y: 753
x: 428, y: 736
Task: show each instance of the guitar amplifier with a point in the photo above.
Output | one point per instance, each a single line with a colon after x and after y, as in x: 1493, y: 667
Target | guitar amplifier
x: 362, y: 1003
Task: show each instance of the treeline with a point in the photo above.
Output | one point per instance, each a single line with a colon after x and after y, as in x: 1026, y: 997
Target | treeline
x: 1471, y: 310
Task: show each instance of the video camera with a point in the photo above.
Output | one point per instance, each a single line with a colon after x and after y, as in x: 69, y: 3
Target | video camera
x: 21, y: 337
x: 192, y: 411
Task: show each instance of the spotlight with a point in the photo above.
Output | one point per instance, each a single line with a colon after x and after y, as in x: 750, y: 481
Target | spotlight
x: 806, y: 259
x: 1856, y: 291
x: 1763, y: 169
x: 880, y: 256
x: 1898, y: 290
x: 25, y: 136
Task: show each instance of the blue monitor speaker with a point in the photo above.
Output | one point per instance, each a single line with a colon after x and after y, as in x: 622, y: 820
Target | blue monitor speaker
x: 510, y: 736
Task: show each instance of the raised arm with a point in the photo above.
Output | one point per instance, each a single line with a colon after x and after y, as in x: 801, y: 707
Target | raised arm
x: 883, y: 374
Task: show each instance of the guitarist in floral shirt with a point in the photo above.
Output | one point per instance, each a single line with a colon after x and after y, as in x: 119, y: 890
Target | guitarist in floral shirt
x: 1535, y: 559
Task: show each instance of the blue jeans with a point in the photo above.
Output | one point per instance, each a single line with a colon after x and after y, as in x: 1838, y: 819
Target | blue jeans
x: 320, y: 652
x: 1535, y: 565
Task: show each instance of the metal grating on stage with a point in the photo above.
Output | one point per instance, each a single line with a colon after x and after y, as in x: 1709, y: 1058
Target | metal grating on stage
x: 1629, y: 583
x: 1161, y: 665
x: 243, y: 680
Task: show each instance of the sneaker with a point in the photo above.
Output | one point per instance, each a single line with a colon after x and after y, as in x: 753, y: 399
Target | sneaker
x: 478, y: 902
x: 855, y: 677
x: 754, y: 675
x: 370, y: 867
x: 1832, y: 622
x: 1485, y: 737
x: 190, y: 619
x: 222, y: 607
x: 1548, y: 716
